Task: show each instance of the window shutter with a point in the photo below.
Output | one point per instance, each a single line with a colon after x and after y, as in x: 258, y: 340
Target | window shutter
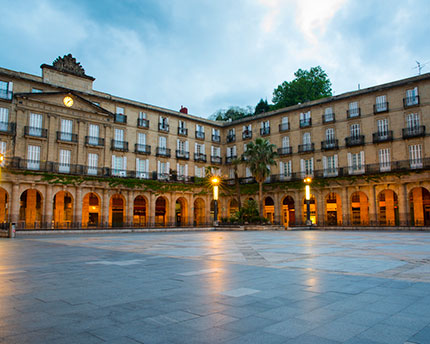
x: 168, y: 167
x: 362, y: 159
x: 335, y: 161
x: 177, y: 168
x: 178, y: 144
x: 186, y: 170
x: 212, y: 151
x: 349, y: 162
x: 10, y: 86
x: 138, y: 165
x: 195, y: 147
x: 203, y: 150
x: 4, y: 115
x: 302, y: 116
x: 234, y: 150
x: 158, y: 167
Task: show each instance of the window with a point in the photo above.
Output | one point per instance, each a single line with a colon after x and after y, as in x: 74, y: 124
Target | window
x: 141, y: 138
x: 412, y: 121
x: 353, y: 110
x: 285, y: 170
x: 305, y: 119
x: 4, y: 119
x: 356, y: 162
x: 215, y: 134
x: 6, y: 89
x: 200, y: 132
x: 411, y: 97
x: 182, y: 171
x: 328, y: 114
x: 33, y: 157
x: 248, y: 128
x: 163, y: 123
x: 248, y: 173
x: 163, y: 169
x: 265, y: 128
x: 284, y: 124
x: 142, y: 115
x: 416, y: 156
x: 182, y: 147
x: 93, y: 133
x: 64, y: 166
x: 200, y: 128
x: 354, y: 130
x: 182, y: 124
x: 119, y: 166
x: 285, y: 142
x: 119, y: 139
x: 3, y: 148
x: 216, y: 151
x: 199, y: 148
x: 66, y: 130
x: 307, y: 138
x: 93, y: 163
x: 142, y: 120
x: 35, y: 124
x: 330, y: 165
x: 199, y: 172
x: 382, y: 125
x: 162, y: 142
x: 329, y: 135
x: 381, y: 104
x: 231, y: 151
x: 231, y: 173
x: 142, y: 168
x: 307, y: 167
x: 120, y: 110
x: 384, y: 160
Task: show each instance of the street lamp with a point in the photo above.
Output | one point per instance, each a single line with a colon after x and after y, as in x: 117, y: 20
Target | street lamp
x: 215, y: 180
x: 308, y: 181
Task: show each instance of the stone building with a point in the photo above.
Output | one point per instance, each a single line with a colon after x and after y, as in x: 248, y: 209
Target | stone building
x: 77, y: 157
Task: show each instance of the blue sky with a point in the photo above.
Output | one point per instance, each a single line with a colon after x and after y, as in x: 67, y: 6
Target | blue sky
x: 208, y: 55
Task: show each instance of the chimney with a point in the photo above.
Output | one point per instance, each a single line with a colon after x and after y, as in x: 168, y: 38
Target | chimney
x: 184, y: 110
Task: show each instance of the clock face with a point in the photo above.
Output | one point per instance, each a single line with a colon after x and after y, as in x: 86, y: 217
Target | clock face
x: 68, y: 101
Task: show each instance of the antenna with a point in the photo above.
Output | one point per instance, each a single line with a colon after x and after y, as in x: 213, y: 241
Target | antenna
x: 420, y: 66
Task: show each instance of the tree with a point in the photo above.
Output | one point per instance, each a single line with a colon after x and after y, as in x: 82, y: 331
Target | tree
x: 261, y: 107
x: 259, y: 156
x: 232, y: 114
x: 307, y: 86
x: 235, y: 163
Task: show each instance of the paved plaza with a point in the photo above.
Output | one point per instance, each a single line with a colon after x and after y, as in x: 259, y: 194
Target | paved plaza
x: 304, y: 287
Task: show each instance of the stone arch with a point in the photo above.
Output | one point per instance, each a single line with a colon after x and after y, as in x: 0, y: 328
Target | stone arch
x: 91, y: 210
x: 233, y: 207
x: 140, y: 211
x: 199, y: 212
x: 313, y: 209
x: 161, y: 211
x: 30, y: 211
x: 419, y: 203
x: 181, y: 211
x: 63, y: 209
x: 4, y: 207
x: 117, y: 210
x: 269, y: 209
x: 359, y: 208
x: 333, y: 209
x: 288, y: 211
x: 388, y: 208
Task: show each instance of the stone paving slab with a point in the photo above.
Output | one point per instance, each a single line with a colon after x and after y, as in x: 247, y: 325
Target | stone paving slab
x: 216, y: 287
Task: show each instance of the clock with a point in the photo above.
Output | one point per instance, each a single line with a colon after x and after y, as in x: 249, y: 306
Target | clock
x: 68, y: 101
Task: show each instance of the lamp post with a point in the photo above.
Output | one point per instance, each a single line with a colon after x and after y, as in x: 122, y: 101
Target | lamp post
x: 308, y: 181
x: 215, y: 183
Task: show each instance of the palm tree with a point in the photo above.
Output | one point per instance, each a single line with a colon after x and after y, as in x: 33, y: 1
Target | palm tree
x: 259, y: 156
x: 235, y: 163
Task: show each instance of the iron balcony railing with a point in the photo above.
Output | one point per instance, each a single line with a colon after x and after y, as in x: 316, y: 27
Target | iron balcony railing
x: 411, y: 101
x: 417, y: 131
x: 200, y: 135
x: 142, y: 149
x: 265, y: 131
x: 330, y: 144
x: 284, y: 126
x: 163, y: 151
x: 216, y: 159
x: 94, y: 141
x: 35, y: 132
x: 67, y: 137
x: 182, y: 131
x: 216, y: 138
x: 247, y: 134
x: 121, y: 146
x: 120, y: 118
x: 5, y: 94
x: 231, y: 138
x: 306, y: 148
x: 382, y: 136
x: 354, y: 140
x: 329, y: 118
x: 353, y: 113
x: 7, y: 128
x: 164, y: 127
x: 283, y: 151
x: 230, y: 158
x: 304, y: 123
x: 143, y: 123
x: 380, y: 107
x: 181, y: 154
x: 200, y: 157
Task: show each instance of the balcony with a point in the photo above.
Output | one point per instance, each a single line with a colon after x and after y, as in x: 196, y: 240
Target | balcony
x: 5, y: 94
x: 142, y: 123
x: 119, y: 173
x: 142, y: 149
x: 353, y: 113
x: 418, y: 131
x: 354, y: 141
x: 330, y: 172
x: 229, y: 159
x: 216, y: 160
x: 163, y: 152
x: 380, y: 108
x: 200, y: 135
x: 265, y: 131
x: 411, y: 101
x: 285, y: 151
x: 36, y: 132
x: 199, y: 157
x: 67, y: 137
x: 247, y: 134
x: 7, y: 128
x: 329, y: 144
x: 120, y: 146
x: 120, y: 118
x: 329, y: 118
x: 142, y: 175
x: 304, y: 123
x: 94, y: 141
x: 231, y: 138
x: 216, y: 138
x: 284, y: 127
x: 163, y: 127
x: 181, y: 154
x: 247, y: 180
x: 306, y: 148
x: 182, y: 131
x: 163, y: 176
x: 379, y: 137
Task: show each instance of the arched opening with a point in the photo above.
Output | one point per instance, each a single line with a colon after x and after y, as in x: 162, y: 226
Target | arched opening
x: 63, y: 209
x: 419, y: 202
x: 4, y: 208
x: 91, y: 210
x: 269, y: 209
x: 212, y: 211
x: 333, y: 209
x: 388, y: 208
x: 181, y: 211
x: 313, y: 210
x: 30, y: 210
x: 359, y: 209
x: 233, y: 207
x: 139, y: 211
x: 199, y: 212
x: 161, y: 211
x: 288, y: 211
x: 117, y: 210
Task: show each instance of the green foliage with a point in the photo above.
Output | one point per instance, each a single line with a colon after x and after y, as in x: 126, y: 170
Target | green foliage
x: 232, y: 114
x: 258, y: 156
x: 262, y: 107
x: 307, y: 86
x: 248, y: 213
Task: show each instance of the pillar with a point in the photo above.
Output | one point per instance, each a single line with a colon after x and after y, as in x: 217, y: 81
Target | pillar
x: 151, y: 210
x: 48, y: 206
x: 373, y: 212
x: 278, y: 210
x: 15, y: 202
x: 346, y: 211
x: 78, y: 207
x: 320, y: 204
x: 105, y: 205
x: 130, y: 208
x: 403, y: 205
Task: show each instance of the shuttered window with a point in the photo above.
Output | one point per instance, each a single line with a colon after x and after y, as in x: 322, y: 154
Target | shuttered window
x: 4, y: 119
x: 33, y: 157
x: 35, y: 124
x: 93, y: 160
x: 415, y: 156
x: 65, y: 156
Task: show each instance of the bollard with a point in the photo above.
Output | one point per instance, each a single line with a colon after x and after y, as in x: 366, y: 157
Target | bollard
x: 12, y: 232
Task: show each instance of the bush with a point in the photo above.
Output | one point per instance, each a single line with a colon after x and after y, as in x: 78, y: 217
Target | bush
x: 248, y: 214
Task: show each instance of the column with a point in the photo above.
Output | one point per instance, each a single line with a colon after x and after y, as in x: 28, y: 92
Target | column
x: 48, y: 206
x: 372, y: 205
x: 78, y: 207
x: 403, y: 205
x: 346, y: 212
x: 319, y: 197
x: 105, y: 215
x: 277, y: 201
x: 151, y: 210
x: 15, y: 202
x: 130, y: 208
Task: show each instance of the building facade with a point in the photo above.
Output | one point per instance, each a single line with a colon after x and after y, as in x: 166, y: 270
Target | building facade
x: 77, y: 157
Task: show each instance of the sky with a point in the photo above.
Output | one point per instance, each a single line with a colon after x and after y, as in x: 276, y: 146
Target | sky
x: 209, y: 55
